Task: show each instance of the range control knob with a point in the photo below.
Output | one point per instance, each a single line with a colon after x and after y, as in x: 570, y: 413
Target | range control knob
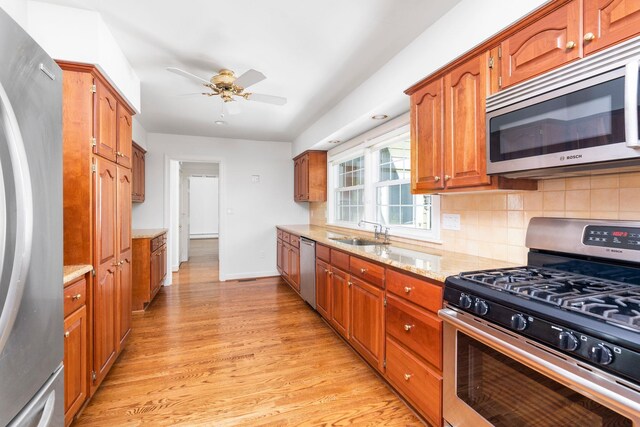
x: 601, y: 354
x: 568, y: 341
x: 481, y: 307
x: 465, y: 301
x: 519, y: 322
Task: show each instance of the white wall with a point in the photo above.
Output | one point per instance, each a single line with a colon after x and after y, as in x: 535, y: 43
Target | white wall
x: 139, y: 133
x: 463, y: 27
x: 250, y: 210
x: 81, y: 35
x: 17, y: 9
x: 203, y: 206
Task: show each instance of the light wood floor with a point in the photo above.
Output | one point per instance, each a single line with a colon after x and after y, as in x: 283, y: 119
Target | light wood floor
x: 237, y: 353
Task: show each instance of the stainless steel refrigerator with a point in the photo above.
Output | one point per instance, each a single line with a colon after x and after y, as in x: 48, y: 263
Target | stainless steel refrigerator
x: 31, y: 323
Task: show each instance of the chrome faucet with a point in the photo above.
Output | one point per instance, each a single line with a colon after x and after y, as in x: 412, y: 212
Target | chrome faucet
x: 377, y: 229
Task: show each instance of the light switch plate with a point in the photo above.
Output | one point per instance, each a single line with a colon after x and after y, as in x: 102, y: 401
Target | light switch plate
x: 255, y: 178
x: 450, y: 222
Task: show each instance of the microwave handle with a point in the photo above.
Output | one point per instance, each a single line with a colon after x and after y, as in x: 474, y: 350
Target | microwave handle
x: 631, y: 103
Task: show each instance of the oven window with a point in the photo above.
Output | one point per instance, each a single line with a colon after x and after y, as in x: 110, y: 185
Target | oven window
x: 590, y: 117
x: 507, y: 393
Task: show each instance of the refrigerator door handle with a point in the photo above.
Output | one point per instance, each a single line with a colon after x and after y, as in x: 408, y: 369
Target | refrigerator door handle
x: 48, y: 411
x: 24, y: 217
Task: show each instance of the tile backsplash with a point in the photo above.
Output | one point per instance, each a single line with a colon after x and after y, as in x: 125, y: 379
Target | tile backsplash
x: 494, y: 224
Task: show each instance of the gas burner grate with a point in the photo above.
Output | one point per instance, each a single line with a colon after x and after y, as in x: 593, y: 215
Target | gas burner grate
x: 621, y: 308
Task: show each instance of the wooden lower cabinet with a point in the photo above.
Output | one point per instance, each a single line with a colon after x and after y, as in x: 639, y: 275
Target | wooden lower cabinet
x: 367, y: 321
x: 288, y: 258
x: 149, y: 268
x: 340, y: 301
x: 323, y: 289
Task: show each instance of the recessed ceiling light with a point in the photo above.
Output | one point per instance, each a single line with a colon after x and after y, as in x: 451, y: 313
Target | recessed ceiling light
x: 334, y: 141
x: 380, y: 117
x: 220, y: 122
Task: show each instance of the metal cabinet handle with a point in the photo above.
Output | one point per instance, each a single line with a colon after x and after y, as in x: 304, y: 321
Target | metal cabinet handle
x: 447, y: 177
x: 589, y: 37
x: 407, y: 377
x: 326, y: 271
x: 330, y: 273
x: 436, y: 178
x: 349, y: 283
x: 76, y: 297
x: 407, y: 289
x: 408, y: 327
x: 363, y: 270
x: 570, y: 45
x: 66, y: 334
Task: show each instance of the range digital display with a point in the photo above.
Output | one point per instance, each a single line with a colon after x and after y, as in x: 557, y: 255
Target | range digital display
x: 612, y: 237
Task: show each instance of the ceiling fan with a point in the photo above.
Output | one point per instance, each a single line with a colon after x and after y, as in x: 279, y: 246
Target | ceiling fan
x: 226, y: 85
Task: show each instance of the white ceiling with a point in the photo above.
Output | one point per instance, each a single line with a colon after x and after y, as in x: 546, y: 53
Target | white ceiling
x: 312, y: 52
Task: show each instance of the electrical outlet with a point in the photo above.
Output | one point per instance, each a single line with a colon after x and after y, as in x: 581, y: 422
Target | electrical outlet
x: 450, y: 222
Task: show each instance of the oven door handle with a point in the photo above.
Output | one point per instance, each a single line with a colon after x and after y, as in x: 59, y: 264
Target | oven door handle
x: 631, y: 103
x: 527, y: 355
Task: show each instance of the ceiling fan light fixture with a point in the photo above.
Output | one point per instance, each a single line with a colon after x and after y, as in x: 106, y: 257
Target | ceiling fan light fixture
x: 334, y: 141
x: 380, y: 117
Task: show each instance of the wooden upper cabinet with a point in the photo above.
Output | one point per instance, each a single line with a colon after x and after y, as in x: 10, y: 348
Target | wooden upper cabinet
x: 427, y: 138
x: 106, y: 122
x: 124, y: 132
x: 607, y: 22
x: 465, y: 90
x: 543, y: 45
x: 310, y: 177
x: 137, y: 172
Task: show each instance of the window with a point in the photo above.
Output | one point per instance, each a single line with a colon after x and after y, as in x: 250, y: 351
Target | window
x: 372, y: 182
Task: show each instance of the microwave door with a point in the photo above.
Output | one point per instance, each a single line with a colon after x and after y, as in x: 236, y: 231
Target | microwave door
x: 632, y: 98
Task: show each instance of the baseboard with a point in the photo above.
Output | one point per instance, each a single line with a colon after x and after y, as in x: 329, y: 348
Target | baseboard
x: 255, y: 275
x: 203, y: 236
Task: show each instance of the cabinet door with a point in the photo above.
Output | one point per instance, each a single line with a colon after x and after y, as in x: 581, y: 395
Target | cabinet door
x: 123, y: 153
x: 323, y: 289
x: 548, y: 43
x: 279, y: 255
x: 286, y: 259
x: 427, y: 139
x: 607, y: 22
x: 154, y: 265
x: 123, y: 224
x: 105, y: 341
x: 464, y: 148
x: 340, y: 301
x: 124, y: 297
x: 367, y: 322
x: 296, y: 180
x: 303, y: 184
x: 163, y: 264
x: 294, y: 267
x: 75, y: 362
x: 137, y: 173
x: 106, y: 122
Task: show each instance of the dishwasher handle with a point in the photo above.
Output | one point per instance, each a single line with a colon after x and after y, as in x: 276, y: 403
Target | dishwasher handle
x: 307, y: 242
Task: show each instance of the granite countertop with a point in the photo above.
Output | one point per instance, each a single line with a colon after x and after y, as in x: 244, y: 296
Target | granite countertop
x: 72, y: 272
x: 147, y: 233
x: 428, y: 262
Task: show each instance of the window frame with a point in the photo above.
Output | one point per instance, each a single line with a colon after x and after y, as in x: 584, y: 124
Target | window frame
x: 369, y: 149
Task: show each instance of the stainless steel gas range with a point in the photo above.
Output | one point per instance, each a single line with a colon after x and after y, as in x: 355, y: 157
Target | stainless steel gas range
x: 552, y: 343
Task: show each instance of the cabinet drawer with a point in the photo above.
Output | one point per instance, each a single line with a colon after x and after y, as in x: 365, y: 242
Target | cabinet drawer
x: 294, y: 241
x: 418, y: 291
x: 368, y: 271
x: 285, y: 237
x: 415, y: 328
x: 155, y: 244
x: 415, y: 381
x: 323, y: 252
x: 75, y: 296
x: 279, y: 233
x: 340, y: 260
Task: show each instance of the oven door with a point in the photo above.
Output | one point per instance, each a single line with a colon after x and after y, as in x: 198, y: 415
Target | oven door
x: 494, y: 378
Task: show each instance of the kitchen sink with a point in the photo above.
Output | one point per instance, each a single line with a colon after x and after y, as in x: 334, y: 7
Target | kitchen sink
x: 358, y: 242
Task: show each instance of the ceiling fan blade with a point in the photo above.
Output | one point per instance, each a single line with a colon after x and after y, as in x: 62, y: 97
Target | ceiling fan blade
x: 191, y: 94
x: 249, y: 78
x: 188, y: 75
x: 269, y: 99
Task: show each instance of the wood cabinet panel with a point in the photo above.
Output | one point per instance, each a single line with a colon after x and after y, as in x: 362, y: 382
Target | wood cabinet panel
x: 547, y: 43
x: 106, y: 122
x: 609, y: 21
x: 294, y: 267
x: 124, y: 133
x: 416, y: 329
x: 323, y: 288
x: 323, y: 252
x: 279, y: 255
x: 340, y: 259
x: 105, y: 340
x: 465, y: 141
x: 124, y: 211
x: 367, y: 322
x: 149, y: 267
x: 416, y: 290
x: 340, y: 304
x: 427, y: 161
x: 76, y: 387
x: 294, y: 241
x: 75, y: 296
x: 368, y: 271
x: 125, y: 292
x: 419, y: 384
x: 138, y: 173
x: 105, y: 199
x: 310, y: 177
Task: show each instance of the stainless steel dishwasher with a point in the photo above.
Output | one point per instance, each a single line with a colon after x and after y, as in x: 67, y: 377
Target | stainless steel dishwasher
x: 308, y: 271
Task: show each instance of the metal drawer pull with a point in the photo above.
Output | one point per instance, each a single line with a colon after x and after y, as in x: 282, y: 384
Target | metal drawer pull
x: 66, y: 334
x: 570, y: 45
x: 326, y: 271
x: 350, y: 283
x: 589, y: 37
x: 76, y: 297
x: 407, y: 289
x: 407, y: 377
x: 363, y: 270
x: 408, y: 327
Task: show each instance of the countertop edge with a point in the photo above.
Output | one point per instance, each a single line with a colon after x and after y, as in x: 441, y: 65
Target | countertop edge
x: 150, y: 233
x: 72, y: 272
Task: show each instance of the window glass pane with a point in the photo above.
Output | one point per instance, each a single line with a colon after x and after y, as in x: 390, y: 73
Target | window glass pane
x: 394, y: 215
x: 406, y: 198
x: 394, y: 194
x: 407, y: 215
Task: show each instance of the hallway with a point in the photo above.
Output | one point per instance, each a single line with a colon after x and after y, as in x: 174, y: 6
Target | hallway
x: 238, y: 353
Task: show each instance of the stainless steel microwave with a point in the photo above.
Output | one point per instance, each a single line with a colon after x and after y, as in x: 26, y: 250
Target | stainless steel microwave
x: 576, y: 120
